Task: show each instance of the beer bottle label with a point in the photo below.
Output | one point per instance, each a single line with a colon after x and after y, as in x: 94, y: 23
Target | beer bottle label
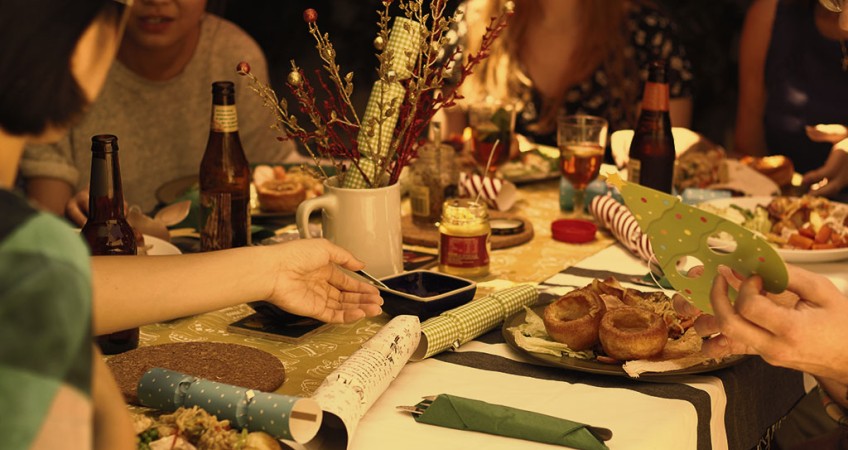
x: 225, y: 220
x: 634, y: 171
x: 224, y: 118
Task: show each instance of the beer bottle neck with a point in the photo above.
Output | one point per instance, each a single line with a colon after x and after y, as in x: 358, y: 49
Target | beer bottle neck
x: 224, y: 114
x: 106, y: 196
x: 655, y: 97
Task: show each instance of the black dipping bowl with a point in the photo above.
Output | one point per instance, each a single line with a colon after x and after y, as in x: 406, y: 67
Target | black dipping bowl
x: 424, y: 293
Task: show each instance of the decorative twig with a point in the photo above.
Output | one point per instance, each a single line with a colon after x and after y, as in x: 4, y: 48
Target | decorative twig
x: 337, y: 129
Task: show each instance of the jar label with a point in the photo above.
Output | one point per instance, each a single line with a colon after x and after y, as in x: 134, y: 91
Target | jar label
x: 224, y: 118
x: 464, y: 251
x: 419, y: 197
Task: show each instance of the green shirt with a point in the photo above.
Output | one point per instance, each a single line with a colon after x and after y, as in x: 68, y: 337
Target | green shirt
x: 45, y: 316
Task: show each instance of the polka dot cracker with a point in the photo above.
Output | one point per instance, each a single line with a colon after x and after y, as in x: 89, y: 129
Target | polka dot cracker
x: 282, y: 416
x: 681, y: 233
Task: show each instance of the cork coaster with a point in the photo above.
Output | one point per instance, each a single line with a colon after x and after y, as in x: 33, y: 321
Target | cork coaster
x: 414, y: 234
x: 234, y: 364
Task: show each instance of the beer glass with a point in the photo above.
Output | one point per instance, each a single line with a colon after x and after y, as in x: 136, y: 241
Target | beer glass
x: 491, y: 121
x: 581, y: 139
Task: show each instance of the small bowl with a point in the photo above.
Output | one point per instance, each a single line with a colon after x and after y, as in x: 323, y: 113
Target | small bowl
x: 424, y: 293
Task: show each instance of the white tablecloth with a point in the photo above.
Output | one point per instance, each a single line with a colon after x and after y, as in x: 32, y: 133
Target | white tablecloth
x: 731, y: 408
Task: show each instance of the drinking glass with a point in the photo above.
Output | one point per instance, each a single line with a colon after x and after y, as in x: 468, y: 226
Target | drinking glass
x: 491, y: 121
x: 581, y: 139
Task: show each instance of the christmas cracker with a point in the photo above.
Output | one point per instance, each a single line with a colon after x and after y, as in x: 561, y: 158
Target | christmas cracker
x: 374, y: 140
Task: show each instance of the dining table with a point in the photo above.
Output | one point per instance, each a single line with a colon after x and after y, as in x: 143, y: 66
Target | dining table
x: 737, y: 406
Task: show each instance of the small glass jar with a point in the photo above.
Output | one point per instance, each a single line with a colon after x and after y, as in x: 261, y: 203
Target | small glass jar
x: 434, y: 179
x: 464, y: 243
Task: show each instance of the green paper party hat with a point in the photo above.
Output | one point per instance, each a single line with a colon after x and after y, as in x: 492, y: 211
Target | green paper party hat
x: 678, y: 231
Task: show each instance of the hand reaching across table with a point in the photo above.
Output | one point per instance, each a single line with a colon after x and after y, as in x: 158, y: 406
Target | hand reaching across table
x: 301, y: 277
x: 834, y: 172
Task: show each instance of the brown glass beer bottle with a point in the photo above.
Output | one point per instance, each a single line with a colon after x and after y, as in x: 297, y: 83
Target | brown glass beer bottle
x: 224, y: 177
x: 107, y: 231
x: 652, y: 150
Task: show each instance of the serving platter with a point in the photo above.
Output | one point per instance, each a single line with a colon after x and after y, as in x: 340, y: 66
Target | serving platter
x: 788, y: 255
x: 596, y: 367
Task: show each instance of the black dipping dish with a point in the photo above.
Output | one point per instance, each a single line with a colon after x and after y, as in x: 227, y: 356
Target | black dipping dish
x: 424, y: 293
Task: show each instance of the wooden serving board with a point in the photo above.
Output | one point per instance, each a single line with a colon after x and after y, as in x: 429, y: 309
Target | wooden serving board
x: 414, y: 234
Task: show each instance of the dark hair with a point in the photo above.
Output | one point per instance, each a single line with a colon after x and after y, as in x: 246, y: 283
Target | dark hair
x: 37, y: 40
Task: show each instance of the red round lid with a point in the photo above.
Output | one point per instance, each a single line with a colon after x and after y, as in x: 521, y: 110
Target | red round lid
x: 573, y: 231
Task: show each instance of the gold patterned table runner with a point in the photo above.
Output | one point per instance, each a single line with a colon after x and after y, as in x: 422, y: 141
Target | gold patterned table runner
x: 310, y: 360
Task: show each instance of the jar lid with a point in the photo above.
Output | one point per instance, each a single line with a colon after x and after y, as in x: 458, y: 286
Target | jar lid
x: 573, y: 231
x: 505, y: 227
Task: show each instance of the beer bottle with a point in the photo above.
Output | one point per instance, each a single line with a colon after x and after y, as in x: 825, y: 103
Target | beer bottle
x: 224, y: 177
x: 107, y: 231
x: 652, y: 150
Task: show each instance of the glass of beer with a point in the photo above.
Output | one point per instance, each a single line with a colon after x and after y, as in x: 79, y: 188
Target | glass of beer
x: 581, y: 139
x: 491, y: 121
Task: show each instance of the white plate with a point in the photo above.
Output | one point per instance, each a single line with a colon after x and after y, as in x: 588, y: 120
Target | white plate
x: 788, y: 255
x: 684, y: 138
x: 158, y: 247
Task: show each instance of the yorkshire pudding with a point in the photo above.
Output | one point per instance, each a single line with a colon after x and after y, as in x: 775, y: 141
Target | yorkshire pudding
x: 574, y: 318
x: 280, y: 195
x: 630, y: 332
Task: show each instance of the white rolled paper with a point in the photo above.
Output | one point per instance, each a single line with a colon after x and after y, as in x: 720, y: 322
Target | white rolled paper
x: 499, y: 194
x: 617, y: 218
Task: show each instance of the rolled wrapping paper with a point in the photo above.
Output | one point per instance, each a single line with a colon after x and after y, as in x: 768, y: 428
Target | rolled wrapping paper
x: 499, y: 194
x: 404, y: 39
x: 475, y: 415
x: 457, y: 326
x: 375, y: 146
x: 403, y: 43
x: 620, y: 221
x: 348, y: 392
x: 353, y: 177
x: 282, y: 416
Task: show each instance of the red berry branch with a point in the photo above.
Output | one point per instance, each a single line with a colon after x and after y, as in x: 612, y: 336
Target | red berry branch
x: 335, y: 124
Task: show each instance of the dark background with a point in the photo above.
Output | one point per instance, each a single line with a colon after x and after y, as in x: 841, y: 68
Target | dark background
x: 708, y: 28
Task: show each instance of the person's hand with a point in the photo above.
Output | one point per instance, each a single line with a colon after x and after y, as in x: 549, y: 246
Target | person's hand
x: 832, y: 133
x: 310, y: 283
x: 802, y: 328
x: 832, y: 177
x: 77, y: 208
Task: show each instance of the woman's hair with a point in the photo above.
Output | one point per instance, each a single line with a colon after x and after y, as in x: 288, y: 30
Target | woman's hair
x: 37, y: 41
x: 603, y: 38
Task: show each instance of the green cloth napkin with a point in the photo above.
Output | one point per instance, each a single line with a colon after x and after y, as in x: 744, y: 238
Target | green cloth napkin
x: 467, y: 414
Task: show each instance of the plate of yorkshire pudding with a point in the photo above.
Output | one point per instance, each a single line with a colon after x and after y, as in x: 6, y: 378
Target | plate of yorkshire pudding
x: 605, y: 328
x: 275, y: 189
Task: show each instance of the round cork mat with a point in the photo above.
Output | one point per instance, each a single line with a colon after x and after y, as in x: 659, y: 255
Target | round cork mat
x: 234, y: 364
x: 414, y: 234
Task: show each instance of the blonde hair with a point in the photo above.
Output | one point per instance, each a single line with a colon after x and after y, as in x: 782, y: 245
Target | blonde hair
x: 604, y: 36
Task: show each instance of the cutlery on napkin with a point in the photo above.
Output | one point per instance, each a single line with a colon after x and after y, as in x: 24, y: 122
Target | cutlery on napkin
x: 460, y: 413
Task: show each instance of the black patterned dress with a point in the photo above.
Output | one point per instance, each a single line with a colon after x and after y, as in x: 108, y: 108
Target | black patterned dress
x: 652, y: 36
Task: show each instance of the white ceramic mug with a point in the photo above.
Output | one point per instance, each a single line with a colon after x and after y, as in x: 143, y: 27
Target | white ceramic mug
x: 365, y: 222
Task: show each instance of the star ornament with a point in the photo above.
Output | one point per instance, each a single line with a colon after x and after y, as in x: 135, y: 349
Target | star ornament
x: 682, y: 233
